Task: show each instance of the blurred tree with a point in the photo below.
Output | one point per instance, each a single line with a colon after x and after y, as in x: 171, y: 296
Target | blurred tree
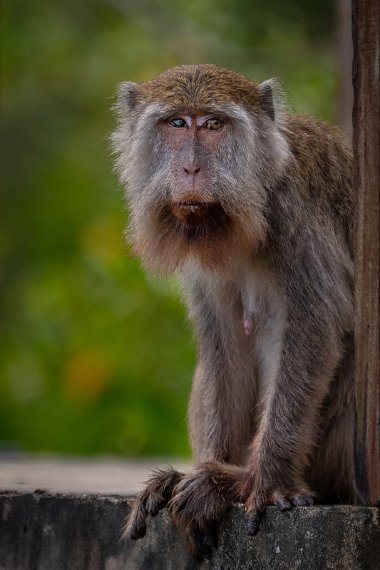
x: 95, y: 355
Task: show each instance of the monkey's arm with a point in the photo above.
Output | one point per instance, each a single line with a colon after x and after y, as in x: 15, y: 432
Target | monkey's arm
x: 317, y: 296
x: 220, y: 412
x: 223, y: 392
x: 220, y: 418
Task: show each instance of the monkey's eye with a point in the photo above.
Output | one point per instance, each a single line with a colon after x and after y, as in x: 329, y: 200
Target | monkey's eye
x: 213, y: 124
x: 178, y: 123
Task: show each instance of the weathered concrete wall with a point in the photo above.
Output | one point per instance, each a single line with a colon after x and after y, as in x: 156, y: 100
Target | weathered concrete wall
x: 42, y: 531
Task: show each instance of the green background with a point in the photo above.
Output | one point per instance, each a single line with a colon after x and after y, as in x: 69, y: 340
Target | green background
x: 96, y: 356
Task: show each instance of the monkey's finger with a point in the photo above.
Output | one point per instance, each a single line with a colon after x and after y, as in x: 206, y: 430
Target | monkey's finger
x: 302, y: 501
x: 283, y: 504
x: 254, y: 520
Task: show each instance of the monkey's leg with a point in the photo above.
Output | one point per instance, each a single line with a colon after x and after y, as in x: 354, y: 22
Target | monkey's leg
x: 288, y: 428
x: 331, y: 471
x: 155, y: 496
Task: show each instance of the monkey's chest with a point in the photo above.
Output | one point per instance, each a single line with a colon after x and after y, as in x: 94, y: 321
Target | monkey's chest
x: 262, y: 302
x: 263, y: 321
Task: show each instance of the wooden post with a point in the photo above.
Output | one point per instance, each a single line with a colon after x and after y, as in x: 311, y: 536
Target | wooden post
x: 366, y: 144
x: 345, y: 53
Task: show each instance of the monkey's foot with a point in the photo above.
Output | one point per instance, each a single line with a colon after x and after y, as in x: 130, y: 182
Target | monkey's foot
x: 282, y: 500
x: 200, y: 500
x: 151, y: 500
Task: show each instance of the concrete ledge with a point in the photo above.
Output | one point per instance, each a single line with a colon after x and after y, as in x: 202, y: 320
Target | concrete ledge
x: 46, y: 531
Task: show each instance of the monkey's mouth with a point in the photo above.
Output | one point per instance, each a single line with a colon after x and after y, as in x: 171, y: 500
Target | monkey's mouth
x: 196, y: 220
x: 183, y: 211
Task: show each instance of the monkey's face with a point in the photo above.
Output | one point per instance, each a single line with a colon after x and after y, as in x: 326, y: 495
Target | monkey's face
x: 197, y: 147
x: 195, y: 207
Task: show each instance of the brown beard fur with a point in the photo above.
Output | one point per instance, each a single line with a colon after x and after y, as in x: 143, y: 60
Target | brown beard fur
x: 215, y: 239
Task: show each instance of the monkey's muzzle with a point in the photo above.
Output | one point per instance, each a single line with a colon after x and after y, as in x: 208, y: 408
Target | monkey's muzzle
x: 196, y: 212
x: 198, y: 219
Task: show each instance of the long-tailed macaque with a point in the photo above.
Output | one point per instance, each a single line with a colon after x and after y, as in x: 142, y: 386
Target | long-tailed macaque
x: 251, y: 207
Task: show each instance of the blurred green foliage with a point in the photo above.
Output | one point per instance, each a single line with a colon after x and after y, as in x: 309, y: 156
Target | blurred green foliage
x: 95, y: 355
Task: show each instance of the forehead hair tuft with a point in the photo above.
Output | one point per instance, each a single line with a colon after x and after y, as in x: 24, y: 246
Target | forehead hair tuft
x: 197, y: 87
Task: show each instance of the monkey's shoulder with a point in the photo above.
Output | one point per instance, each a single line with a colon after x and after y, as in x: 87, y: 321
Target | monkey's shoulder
x: 305, y: 130
x: 319, y: 176
x: 318, y: 149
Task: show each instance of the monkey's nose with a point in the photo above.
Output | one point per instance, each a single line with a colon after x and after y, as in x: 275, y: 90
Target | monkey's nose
x: 191, y: 169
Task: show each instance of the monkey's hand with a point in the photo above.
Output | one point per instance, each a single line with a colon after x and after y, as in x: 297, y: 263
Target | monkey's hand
x: 200, y: 500
x: 257, y: 497
x: 155, y: 496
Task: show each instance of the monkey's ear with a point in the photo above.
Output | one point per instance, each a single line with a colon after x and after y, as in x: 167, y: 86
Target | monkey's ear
x: 270, y: 96
x: 127, y: 94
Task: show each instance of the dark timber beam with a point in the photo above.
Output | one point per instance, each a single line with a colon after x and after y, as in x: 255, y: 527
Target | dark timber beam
x: 366, y: 145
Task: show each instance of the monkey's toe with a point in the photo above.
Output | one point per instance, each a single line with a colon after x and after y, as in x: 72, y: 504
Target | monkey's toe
x: 156, y: 502
x: 302, y: 501
x: 283, y: 504
x: 137, y: 530
x: 135, y: 527
x: 284, y: 501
